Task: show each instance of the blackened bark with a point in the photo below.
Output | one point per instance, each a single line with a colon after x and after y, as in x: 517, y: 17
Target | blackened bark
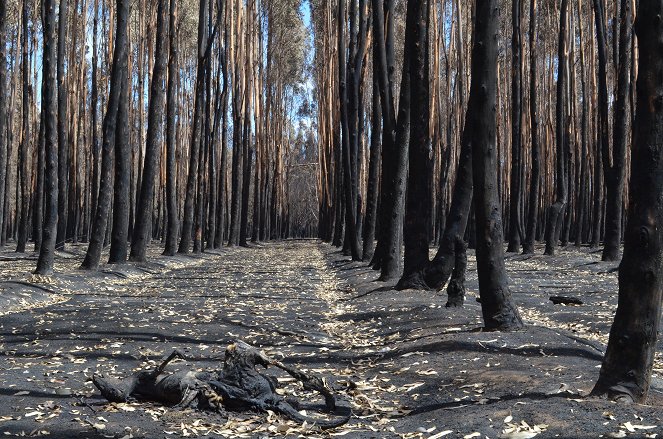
x: 63, y: 141
x: 142, y: 227
x: 3, y: 109
x: 533, y: 195
x: 348, y: 185
x: 373, y: 175
x: 96, y: 151
x: 556, y: 211
x: 384, y: 69
x: 25, y: 134
x: 192, y: 177
x: 456, y: 287
x: 120, y: 229
x: 499, y: 311
x: 627, y: 366
x: 100, y: 223
x: 47, y: 251
x: 172, y: 227
x: 515, y: 226
x: 236, y: 180
x: 221, y: 215
x: 38, y: 212
x: 614, y: 173
x: 418, y: 206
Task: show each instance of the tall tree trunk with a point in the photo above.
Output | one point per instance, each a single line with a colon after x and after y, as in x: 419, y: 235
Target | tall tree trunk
x: 63, y: 141
x: 373, y: 174
x: 515, y: 226
x: 119, y: 69
x: 120, y: 230
x: 192, y: 176
x: 49, y: 105
x: 556, y: 211
x: 25, y: 133
x: 499, y: 312
x: 142, y: 227
x: 418, y: 206
x: 96, y: 152
x: 614, y: 173
x: 3, y: 109
x: 172, y: 227
x: 349, y: 191
x: 535, y: 178
x: 627, y: 365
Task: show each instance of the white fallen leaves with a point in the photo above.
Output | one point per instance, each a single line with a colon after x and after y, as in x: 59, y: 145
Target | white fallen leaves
x: 520, y: 430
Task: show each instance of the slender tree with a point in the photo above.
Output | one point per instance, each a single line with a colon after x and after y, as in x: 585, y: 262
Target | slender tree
x: 3, y: 107
x: 171, y: 112
x: 535, y: 176
x: 627, y: 365
x: 614, y: 168
x: 25, y: 132
x: 109, y: 132
x: 515, y: 191
x: 143, y: 224
x: 63, y: 141
x: 418, y: 206
x: 499, y: 312
x: 49, y: 105
x: 556, y: 211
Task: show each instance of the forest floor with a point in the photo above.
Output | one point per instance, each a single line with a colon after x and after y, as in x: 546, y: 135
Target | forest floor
x: 408, y: 366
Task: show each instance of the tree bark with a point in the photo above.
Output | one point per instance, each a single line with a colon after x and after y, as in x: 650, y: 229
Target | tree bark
x: 3, y: 109
x: 627, y: 365
x: 515, y: 227
x: 142, y: 228
x: 172, y: 227
x: 47, y: 251
x: 499, y: 311
x: 25, y: 134
x: 556, y: 211
x: 373, y: 175
x: 63, y: 141
x: 535, y: 183
x: 120, y: 54
x: 418, y: 206
x: 614, y: 173
x: 120, y: 230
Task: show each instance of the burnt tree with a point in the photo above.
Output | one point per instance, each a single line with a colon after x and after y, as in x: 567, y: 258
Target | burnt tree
x: 499, y: 311
x: 142, y: 227
x: 627, y: 365
x: 556, y: 211
x: 49, y: 106
x: 109, y: 129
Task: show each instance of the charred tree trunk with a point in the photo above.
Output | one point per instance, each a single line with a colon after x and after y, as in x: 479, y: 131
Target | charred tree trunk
x: 25, y: 134
x: 533, y: 199
x: 49, y: 105
x: 373, y: 175
x: 63, y: 141
x: 172, y: 227
x: 556, y: 211
x: 120, y: 54
x: 614, y: 173
x: 418, y: 205
x: 192, y: 177
x: 499, y: 312
x: 627, y: 366
x: 515, y: 227
x: 3, y: 109
x: 142, y: 227
x: 120, y: 229
x: 346, y: 141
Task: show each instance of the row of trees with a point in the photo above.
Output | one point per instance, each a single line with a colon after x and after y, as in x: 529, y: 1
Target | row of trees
x: 123, y: 121
x: 562, y: 165
x: 535, y: 132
